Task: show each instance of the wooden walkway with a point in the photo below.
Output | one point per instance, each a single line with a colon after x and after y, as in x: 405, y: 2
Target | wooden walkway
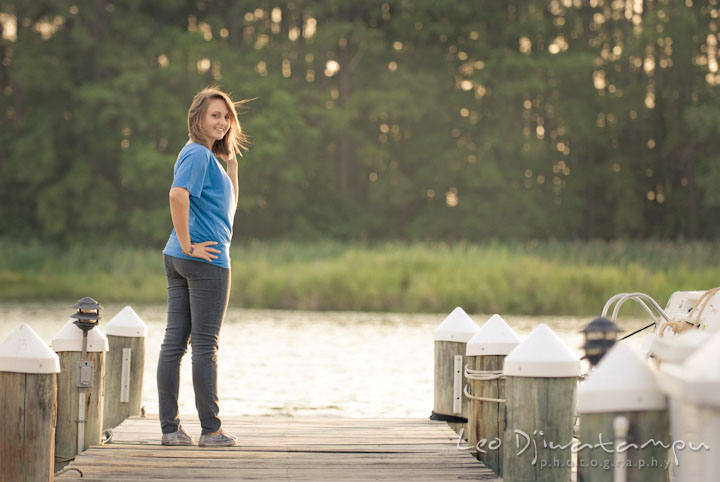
x: 285, y: 448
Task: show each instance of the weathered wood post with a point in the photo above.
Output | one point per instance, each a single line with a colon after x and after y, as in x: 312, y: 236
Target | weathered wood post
x: 124, y: 367
x: 451, y: 337
x: 694, y: 389
x: 68, y: 345
x: 623, y: 421
x: 540, y: 388
x: 28, y: 407
x: 485, y: 390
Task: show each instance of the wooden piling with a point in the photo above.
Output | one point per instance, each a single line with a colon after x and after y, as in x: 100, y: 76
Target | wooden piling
x: 28, y: 407
x: 646, y: 464
x: 622, y: 408
x: 540, y: 392
x: 449, y: 380
x: 66, y: 446
x: 451, y: 338
x: 486, y: 418
x: 486, y: 353
x: 68, y: 345
x: 125, y: 366
x: 540, y: 412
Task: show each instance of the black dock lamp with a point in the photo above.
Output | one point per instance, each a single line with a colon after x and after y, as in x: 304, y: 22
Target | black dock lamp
x: 88, y: 314
x: 600, y: 335
x: 86, y: 318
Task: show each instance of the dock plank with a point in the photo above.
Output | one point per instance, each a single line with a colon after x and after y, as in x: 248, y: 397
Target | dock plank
x: 285, y: 449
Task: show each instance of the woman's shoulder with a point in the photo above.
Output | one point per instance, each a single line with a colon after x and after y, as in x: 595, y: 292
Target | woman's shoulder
x: 194, y: 150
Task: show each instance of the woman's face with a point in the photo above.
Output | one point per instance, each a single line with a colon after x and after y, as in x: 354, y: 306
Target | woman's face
x: 216, y: 121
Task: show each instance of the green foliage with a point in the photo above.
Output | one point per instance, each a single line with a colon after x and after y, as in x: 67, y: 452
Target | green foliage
x: 376, y: 120
x: 548, y: 278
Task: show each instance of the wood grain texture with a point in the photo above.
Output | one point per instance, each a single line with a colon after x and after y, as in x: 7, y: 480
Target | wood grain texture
x: 486, y: 420
x: 285, y: 449
x: 27, y: 416
x: 646, y: 464
x: 12, y: 421
x: 66, y: 432
x: 115, y: 411
x: 444, y: 374
x: 540, y: 415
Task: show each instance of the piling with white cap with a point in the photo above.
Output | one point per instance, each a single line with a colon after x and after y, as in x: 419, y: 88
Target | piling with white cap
x: 621, y: 406
x: 540, y: 387
x: 694, y: 390
x: 451, y: 338
x: 68, y: 343
x: 124, y: 367
x: 485, y: 353
x: 28, y: 405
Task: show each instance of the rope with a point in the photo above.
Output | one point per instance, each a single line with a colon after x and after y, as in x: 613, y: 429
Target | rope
x: 696, y: 312
x: 482, y: 399
x: 66, y: 469
x: 482, y: 375
x: 706, y: 297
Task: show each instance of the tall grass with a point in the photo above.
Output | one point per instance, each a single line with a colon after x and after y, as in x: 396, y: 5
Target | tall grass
x: 536, y: 278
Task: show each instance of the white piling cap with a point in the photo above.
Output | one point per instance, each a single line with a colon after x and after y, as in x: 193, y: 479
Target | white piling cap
x: 622, y: 381
x: 495, y: 337
x: 458, y: 326
x: 70, y: 338
x: 542, y: 354
x: 127, y: 323
x: 701, y: 374
x: 23, y: 351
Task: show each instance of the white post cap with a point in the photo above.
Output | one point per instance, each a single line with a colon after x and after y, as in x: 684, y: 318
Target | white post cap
x: 622, y: 381
x: 701, y: 374
x: 495, y: 337
x: 126, y: 323
x: 542, y: 354
x: 70, y: 338
x: 458, y: 326
x: 23, y: 351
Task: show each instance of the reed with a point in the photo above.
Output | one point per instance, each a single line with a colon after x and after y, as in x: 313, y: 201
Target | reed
x: 534, y: 278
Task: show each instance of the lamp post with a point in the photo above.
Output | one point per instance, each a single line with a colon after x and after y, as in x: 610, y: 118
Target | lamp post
x: 86, y: 318
x: 600, y: 336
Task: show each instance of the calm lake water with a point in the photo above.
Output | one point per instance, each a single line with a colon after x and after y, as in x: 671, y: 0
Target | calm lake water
x: 305, y: 363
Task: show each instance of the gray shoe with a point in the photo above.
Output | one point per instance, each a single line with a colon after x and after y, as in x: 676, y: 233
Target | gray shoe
x: 220, y: 440
x: 180, y: 437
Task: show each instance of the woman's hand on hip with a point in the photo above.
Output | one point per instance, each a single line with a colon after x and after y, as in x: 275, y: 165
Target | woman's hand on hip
x: 203, y: 250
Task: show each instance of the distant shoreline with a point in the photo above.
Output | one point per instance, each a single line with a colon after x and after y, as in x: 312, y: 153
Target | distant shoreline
x: 532, y: 278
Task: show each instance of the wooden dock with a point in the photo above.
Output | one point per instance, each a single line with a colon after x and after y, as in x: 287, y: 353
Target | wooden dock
x: 285, y: 448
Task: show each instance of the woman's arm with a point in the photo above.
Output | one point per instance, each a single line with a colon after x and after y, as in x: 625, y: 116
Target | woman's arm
x: 180, y: 214
x: 232, y: 171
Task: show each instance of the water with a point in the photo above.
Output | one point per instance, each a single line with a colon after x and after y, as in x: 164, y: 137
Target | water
x: 305, y: 363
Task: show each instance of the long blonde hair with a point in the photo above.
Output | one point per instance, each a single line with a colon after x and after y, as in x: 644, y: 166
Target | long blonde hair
x: 234, y: 140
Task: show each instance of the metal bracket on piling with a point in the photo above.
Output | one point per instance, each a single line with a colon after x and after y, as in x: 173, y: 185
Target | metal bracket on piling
x: 84, y: 373
x: 83, y: 367
x: 457, y: 384
x: 125, y: 375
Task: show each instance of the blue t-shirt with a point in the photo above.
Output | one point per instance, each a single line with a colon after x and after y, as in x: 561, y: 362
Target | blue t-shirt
x: 212, y: 202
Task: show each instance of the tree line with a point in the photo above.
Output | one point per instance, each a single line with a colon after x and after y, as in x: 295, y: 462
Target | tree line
x: 372, y: 120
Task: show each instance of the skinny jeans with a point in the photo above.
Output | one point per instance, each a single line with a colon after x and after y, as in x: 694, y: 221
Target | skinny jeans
x: 198, y: 294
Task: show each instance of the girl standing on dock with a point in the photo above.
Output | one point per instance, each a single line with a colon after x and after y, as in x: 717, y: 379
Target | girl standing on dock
x: 203, y: 198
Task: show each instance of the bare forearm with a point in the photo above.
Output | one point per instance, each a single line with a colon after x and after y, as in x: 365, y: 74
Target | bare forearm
x: 232, y: 170
x: 180, y: 214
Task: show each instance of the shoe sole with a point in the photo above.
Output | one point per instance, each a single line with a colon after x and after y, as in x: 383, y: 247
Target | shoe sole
x: 217, y: 445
